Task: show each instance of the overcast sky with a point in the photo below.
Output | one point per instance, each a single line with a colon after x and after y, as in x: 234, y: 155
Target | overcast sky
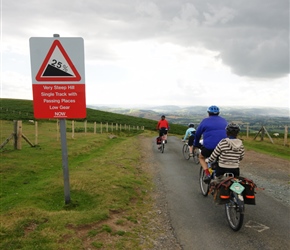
x: 158, y: 52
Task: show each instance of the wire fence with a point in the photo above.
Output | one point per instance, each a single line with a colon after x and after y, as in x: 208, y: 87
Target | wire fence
x: 19, y: 129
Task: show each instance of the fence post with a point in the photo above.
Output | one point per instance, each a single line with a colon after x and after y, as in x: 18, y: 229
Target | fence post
x: 285, y: 135
x: 15, y: 133
x: 72, y: 129
x: 36, y: 133
x: 18, y: 134
x: 86, y: 123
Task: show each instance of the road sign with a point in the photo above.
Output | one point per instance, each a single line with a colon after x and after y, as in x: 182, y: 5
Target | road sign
x: 58, y: 77
x: 57, y: 66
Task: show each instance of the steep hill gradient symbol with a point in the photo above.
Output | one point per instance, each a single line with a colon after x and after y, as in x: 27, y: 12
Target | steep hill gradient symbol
x: 57, y: 66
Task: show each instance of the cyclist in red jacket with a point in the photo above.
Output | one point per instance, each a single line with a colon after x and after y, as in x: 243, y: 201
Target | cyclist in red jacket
x: 163, y: 127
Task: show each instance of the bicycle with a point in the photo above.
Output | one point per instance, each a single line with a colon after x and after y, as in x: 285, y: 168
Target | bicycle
x: 185, y: 152
x: 231, y: 191
x: 161, y: 146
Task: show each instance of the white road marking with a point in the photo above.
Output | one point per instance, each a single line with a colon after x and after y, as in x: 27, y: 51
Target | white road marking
x: 256, y: 226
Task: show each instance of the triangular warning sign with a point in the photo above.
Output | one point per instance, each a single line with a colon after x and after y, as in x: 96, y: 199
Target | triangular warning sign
x: 57, y: 66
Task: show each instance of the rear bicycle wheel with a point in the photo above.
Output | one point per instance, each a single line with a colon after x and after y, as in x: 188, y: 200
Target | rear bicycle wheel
x: 204, y: 188
x: 196, y: 156
x: 185, y: 151
x: 235, y: 212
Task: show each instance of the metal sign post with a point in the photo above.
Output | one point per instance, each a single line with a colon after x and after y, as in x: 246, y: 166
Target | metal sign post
x: 64, y: 161
x: 62, y: 125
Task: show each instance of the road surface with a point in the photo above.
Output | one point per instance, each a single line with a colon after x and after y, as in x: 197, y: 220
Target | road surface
x: 200, y: 224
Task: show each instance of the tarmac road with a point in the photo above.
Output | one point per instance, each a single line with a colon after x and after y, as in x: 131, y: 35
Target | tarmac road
x: 200, y: 224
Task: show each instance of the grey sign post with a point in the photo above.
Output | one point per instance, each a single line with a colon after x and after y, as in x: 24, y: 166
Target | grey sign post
x: 62, y: 125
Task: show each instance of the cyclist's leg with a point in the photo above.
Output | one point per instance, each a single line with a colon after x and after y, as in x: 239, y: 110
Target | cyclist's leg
x: 165, y: 135
x: 205, y: 153
x: 190, y: 144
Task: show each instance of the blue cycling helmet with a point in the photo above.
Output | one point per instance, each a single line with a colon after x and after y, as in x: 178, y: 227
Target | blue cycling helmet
x: 213, y: 110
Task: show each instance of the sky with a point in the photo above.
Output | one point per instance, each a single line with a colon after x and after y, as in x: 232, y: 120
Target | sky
x: 158, y: 52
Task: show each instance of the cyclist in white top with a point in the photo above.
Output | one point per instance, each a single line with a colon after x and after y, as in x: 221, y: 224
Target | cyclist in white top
x: 190, y: 134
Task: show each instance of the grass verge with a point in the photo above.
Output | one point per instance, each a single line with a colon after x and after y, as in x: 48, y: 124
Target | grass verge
x: 110, y: 194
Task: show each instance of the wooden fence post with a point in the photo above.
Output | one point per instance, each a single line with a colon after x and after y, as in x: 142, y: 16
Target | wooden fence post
x: 15, y: 133
x: 285, y: 135
x: 85, y: 124
x: 18, y: 134
x: 72, y: 129
x: 36, y: 133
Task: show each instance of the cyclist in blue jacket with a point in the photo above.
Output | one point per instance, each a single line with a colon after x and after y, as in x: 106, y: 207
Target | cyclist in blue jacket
x: 212, y: 129
x: 190, y: 134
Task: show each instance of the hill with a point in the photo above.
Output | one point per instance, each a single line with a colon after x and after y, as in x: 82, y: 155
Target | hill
x: 275, y: 119
x: 17, y: 109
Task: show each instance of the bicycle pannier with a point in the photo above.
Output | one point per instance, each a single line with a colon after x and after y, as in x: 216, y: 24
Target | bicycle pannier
x: 158, y: 140
x: 249, y: 192
x: 222, y: 192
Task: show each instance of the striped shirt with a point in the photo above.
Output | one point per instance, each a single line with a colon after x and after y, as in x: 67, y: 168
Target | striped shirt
x: 228, y: 152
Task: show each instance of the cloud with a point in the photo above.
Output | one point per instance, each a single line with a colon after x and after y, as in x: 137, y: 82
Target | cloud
x: 186, y: 46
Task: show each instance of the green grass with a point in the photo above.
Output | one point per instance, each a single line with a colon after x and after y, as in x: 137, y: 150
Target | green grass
x: 279, y: 147
x: 109, y: 190
x: 110, y: 194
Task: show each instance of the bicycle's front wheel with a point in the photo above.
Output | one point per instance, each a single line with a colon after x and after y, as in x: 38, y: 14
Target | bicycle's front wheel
x: 235, y: 212
x: 204, y: 188
x: 185, y: 151
x: 162, y: 146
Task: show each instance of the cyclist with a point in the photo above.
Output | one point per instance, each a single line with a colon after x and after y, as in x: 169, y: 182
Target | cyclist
x: 212, y: 129
x: 229, y: 152
x: 190, y: 134
x: 163, y: 126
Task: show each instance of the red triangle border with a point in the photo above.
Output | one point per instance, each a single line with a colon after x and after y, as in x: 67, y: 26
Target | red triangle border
x: 39, y: 77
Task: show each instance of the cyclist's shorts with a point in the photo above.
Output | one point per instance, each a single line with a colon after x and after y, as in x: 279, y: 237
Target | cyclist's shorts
x: 221, y: 171
x: 191, y: 140
x: 162, y: 131
x: 206, y: 152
